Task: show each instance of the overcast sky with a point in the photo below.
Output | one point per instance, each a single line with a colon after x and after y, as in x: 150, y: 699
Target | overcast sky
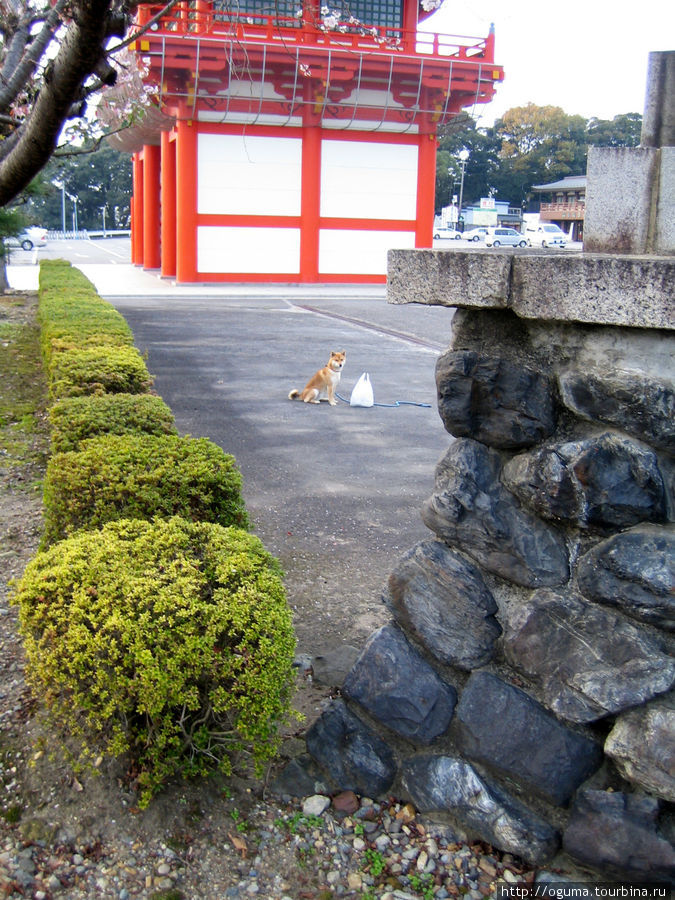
x: 587, y: 56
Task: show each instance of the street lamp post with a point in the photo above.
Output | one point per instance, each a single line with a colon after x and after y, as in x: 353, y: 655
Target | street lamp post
x: 463, y: 156
x: 453, y: 196
x: 62, y: 188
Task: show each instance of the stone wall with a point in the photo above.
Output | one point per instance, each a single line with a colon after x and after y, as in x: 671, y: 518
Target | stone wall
x: 523, y: 687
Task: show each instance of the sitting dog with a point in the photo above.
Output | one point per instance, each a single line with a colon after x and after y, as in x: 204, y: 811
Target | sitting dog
x: 322, y: 385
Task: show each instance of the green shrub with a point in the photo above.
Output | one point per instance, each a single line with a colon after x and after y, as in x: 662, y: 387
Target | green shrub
x: 97, y: 370
x: 74, y: 419
x: 139, y: 477
x: 170, y: 641
x: 71, y: 314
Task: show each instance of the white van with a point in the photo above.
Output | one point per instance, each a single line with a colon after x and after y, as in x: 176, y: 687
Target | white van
x: 545, y: 234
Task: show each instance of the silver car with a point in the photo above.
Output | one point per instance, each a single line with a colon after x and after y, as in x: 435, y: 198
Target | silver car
x: 506, y: 237
x: 29, y: 238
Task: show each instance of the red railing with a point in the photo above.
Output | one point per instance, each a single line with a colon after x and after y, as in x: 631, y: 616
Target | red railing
x: 199, y: 19
x: 574, y: 209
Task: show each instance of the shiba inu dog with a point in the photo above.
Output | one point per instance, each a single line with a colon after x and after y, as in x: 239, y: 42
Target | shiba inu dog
x: 322, y: 385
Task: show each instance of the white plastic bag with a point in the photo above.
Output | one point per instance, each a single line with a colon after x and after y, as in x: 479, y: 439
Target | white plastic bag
x: 362, y: 394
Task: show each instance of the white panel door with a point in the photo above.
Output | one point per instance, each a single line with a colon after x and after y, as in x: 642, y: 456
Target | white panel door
x: 368, y: 180
x: 343, y: 252
x: 248, y: 175
x: 253, y: 250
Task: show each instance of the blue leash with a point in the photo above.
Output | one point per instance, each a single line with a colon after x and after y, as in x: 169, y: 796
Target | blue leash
x: 393, y: 405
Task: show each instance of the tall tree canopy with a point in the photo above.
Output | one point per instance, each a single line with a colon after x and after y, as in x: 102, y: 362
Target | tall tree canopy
x: 528, y: 145
x: 99, y: 183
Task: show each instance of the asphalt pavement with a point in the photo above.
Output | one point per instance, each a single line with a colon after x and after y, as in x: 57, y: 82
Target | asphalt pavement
x: 333, y: 492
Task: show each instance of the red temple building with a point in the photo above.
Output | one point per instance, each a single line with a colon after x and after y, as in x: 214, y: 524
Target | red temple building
x: 293, y: 143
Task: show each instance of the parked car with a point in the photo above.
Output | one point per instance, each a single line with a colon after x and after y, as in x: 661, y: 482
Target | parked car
x: 475, y: 234
x: 447, y: 233
x: 507, y: 237
x: 29, y: 238
x: 545, y: 235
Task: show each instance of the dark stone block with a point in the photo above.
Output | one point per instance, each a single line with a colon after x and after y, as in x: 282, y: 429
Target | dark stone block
x: 472, y: 510
x: 299, y: 778
x: 643, y: 407
x: 634, y: 571
x: 586, y: 660
x: 618, y: 834
x: 354, y: 756
x: 607, y: 480
x: 494, y: 401
x: 442, y: 599
x: 642, y: 746
x: 392, y: 681
x: 509, y: 733
x: 449, y: 784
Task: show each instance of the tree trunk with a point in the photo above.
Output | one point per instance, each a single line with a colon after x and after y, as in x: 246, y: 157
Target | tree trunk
x: 80, y: 51
x: 4, y: 284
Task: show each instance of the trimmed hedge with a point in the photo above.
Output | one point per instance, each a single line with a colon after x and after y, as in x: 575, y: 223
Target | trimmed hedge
x: 140, y: 477
x: 74, y: 419
x: 86, y: 344
x: 169, y: 641
x: 71, y: 314
x: 97, y: 370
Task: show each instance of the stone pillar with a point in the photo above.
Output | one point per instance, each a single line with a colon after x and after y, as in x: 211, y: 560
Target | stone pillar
x: 630, y: 194
x: 658, y: 122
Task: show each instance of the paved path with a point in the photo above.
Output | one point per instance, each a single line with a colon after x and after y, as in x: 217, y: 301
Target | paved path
x: 334, y: 492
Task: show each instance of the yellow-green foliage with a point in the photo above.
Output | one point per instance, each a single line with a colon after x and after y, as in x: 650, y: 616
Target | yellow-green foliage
x: 75, y: 419
x: 140, y: 476
x: 97, y: 370
x: 71, y: 314
x: 170, y: 641
x: 86, y: 344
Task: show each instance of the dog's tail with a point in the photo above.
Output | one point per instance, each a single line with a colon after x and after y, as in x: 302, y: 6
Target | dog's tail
x: 294, y: 394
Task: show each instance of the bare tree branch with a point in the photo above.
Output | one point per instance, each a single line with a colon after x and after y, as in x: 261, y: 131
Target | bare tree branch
x: 148, y: 25
x: 26, y: 68
x: 80, y: 52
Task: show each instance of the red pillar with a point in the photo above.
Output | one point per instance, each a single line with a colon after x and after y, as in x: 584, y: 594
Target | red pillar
x: 426, y: 189
x: 168, y: 211
x: 137, y: 212
x: 151, y: 205
x: 310, y: 209
x: 186, y: 201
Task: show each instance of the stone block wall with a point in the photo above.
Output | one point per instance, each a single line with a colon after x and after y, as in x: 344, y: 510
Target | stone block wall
x: 523, y: 687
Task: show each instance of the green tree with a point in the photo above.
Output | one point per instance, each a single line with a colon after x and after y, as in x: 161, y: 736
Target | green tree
x: 481, y: 166
x: 538, y: 144
x: 100, y: 180
x: 621, y: 131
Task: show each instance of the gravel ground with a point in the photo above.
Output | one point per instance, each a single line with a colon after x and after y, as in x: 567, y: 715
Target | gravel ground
x: 68, y: 835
